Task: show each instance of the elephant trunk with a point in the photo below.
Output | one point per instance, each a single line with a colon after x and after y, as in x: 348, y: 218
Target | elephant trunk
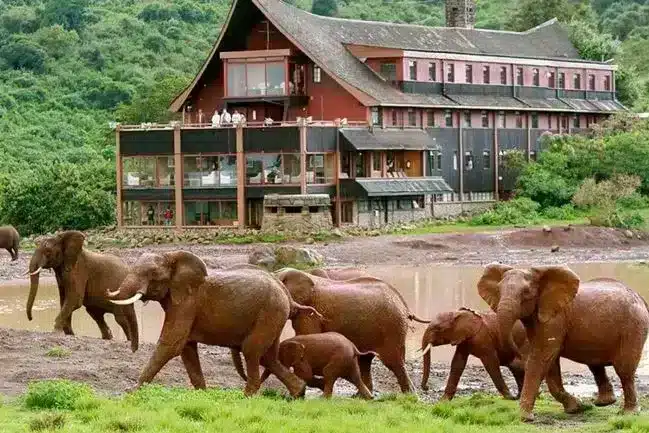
x: 35, y: 266
x: 129, y: 292
x: 426, y: 345
x: 508, y: 314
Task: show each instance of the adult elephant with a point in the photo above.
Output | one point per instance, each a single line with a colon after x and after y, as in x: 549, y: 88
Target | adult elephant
x: 243, y: 309
x: 366, y: 310
x: 10, y: 241
x: 599, y: 323
x: 83, y: 278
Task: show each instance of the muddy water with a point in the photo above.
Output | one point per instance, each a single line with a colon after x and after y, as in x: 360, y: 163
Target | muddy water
x: 427, y: 290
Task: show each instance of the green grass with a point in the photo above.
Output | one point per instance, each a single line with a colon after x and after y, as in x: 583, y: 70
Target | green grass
x: 58, y: 352
x: 159, y: 409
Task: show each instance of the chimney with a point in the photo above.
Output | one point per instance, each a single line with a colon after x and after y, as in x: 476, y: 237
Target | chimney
x: 460, y: 13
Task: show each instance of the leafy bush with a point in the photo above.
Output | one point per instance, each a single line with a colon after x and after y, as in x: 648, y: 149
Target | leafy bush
x: 565, y: 213
x: 520, y: 210
x: 21, y: 53
x: 57, y: 394
x: 633, y: 201
x: 602, y: 199
x: 48, y: 421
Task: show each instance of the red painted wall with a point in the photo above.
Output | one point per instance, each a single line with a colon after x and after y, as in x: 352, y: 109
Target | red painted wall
x: 330, y: 101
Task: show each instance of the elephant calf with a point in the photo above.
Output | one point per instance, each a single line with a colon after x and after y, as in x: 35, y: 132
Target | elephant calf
x: 329, y: 355
x: 474, y: 334
x: 10, y: 241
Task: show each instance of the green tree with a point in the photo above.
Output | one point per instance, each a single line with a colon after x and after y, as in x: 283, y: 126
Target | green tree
x: 152, y: 102
x: 530, y: 13
x: 328, y: 8
x: 71, y: 14
x: 19, y: 19
x: 22, y: 53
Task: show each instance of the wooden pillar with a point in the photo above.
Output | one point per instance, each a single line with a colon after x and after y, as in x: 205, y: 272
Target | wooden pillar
x: 528, y: 136
x: 178, y: 178
x: 118, y: 171
x: 339, y: 205
x: 302, y: 133
x: 460, y: 151
x: 384, y: 164
x: 241, y: 178
x: 496, y: 159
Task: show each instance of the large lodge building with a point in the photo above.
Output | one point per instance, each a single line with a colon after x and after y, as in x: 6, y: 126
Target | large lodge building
x: 395, y: 122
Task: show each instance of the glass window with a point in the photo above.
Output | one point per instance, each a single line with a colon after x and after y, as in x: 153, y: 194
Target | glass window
x: 432, y: 72
x: 395, y: 117
x: 430, y: 118
x: 519, y: 76
x: 256, y: 79
x: 467, y: 119
x: 455, y: 160
x: 210, y: 213
x: 209, y: 171
x: 166, y: 170
x: 266, y: 169
x: 320, y: 168
x: 139, y: 172
x: 577, y: 81
x: 468, y: 161
x: 564, y: 122
x: 144, y: 213
x: 519, y: 120
x: 292, y: 172
x: 486, y: 159
x: 469, y: 74
x: 536, y: 78
x: 607, y: 83
x: 450, y: 73
x: 501, y: 119
x: 551, y: 78
x: 376, y: 161
x: 448, y: 117
x: 486, y: 75
x: 236, y: 79
x: 535, y: 120
x: 375, y: 116
x: 275, y: 78
x: 412, y: 117
x: 562, y: 80
x: 591, y: 82
x: 360, y: 165
x: 345, y: 165
x: 412, y: 67
x: 389, y: 71
x: 503, y: 75
x: 485, y: 119
x: 317, y: 74
x: 576, y: 121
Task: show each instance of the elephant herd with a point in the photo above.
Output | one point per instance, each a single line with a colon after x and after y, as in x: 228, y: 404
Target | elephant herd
x: 344, y: 318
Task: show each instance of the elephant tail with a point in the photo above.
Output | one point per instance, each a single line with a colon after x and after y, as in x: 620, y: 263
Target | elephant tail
x: 359, y: 353
x: 238, y: 364
x: 297, y: 308
x: 417, y: 319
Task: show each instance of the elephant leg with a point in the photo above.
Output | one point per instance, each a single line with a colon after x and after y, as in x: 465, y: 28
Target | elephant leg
x: 555, y: 386
x: 492, y: 365
x: 71, y: 291
x: 330, y: 373
x: 365, y: 366
x: 536, y: 369
x: 97, y: 315
x: 64, y: 318
x: 67, y: 327
x: 605, y: 393
x: 518, y: 371
x: 128, y: 322
x: 192, y: 363
x: 625, y: 365
x: 316, y: 382
x: 395, y: 362
x: 294, y: 384
x: 356, y: 378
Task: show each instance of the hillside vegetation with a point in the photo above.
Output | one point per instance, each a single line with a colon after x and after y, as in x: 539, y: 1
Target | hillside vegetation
x: 69, y: 67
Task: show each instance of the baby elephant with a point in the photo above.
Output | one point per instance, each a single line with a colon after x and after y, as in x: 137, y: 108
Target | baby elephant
x: 474, y: 334
x: 329, y: 355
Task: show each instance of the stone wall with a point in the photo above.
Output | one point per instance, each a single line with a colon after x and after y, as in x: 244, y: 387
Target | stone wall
x: 460, y: 13
x: 453, y: 209
x: 301, y: 213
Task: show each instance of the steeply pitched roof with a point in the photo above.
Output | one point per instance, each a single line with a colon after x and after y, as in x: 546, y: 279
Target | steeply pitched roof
x: 325, y: 39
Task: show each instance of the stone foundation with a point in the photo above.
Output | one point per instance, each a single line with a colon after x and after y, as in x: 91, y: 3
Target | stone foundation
x: 454, y: 209
x: 301, y: 213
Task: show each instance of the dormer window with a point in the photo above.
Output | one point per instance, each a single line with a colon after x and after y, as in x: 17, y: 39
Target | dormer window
x: 389, y: 71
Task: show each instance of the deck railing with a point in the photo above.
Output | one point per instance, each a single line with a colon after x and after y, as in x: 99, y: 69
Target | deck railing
x: 254, y: 124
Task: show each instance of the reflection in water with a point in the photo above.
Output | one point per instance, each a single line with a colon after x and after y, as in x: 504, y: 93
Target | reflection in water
x: 428, y: 290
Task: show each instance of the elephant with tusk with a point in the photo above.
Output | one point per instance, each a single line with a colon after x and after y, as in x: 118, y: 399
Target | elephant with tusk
x: 83, y: 278
x: 243, y: 309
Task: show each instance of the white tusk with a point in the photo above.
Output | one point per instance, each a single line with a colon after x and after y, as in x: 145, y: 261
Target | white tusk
x: 132, y: 300
x: 418, y: 355
x: 427, y: 349
x: 36, y: 272
x: 113, y: 294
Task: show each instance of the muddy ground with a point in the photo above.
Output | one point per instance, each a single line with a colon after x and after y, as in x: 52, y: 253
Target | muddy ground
x: 111, y: 368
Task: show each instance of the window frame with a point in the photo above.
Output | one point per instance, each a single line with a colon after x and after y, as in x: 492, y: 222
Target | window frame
x: 201, y: 156
x: 576, y: 81
x: 281, y: 168
x: 412, y: 70
x: 484, y: 119
x: 520, y: 76
x: 486, y: 74
x: 536, y: 77
x: 503, y: 75
x: 448, y: 115
x: 317, y: 74
x: 468, y: 74
x: 432, y: 71
x: 450, y: 72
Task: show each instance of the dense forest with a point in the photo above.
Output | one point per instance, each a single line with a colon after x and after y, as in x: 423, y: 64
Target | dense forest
x: 70, y: 67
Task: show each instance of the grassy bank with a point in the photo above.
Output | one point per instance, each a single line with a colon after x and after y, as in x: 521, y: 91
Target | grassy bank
x: 70, y: 407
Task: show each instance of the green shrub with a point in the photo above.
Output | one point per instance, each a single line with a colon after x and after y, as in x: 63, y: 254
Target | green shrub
x: 58, y: 352
x: 57, y: 394
x: 48, y: 421
x: 520, y: 210
x: 566, y: 212
x: 634, y: 201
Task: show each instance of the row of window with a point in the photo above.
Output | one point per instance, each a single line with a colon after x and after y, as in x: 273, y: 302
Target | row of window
x: 218, y: 171
x: 409, y: 118
x: 388, y: 70
x: 435, y: 160
x: 196, y: 213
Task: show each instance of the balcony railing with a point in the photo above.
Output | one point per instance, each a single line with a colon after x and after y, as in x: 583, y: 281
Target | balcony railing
x: 191, y: 122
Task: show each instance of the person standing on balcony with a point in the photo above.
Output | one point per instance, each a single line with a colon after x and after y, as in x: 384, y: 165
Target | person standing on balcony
x: 150, y: 213
x: 168, y: 215
x: 216, y: 119
x: 225, y: 117
x: 236, y: 117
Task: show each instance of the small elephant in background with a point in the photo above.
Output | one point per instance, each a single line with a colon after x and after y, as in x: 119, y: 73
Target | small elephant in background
x: 474, y: 334
x: 329, y: 355
x: 83, y: 278
x: 10, y: 241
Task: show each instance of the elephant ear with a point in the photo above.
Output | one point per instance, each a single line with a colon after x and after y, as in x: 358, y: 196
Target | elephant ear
x: 299, y: 284
x: 185, y: 272
x: 71, y: 247
x: 294, y: 352
x: 466, y: 324
x: 558, y: 286
x: 488, y: 284
x: 319, y: 273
